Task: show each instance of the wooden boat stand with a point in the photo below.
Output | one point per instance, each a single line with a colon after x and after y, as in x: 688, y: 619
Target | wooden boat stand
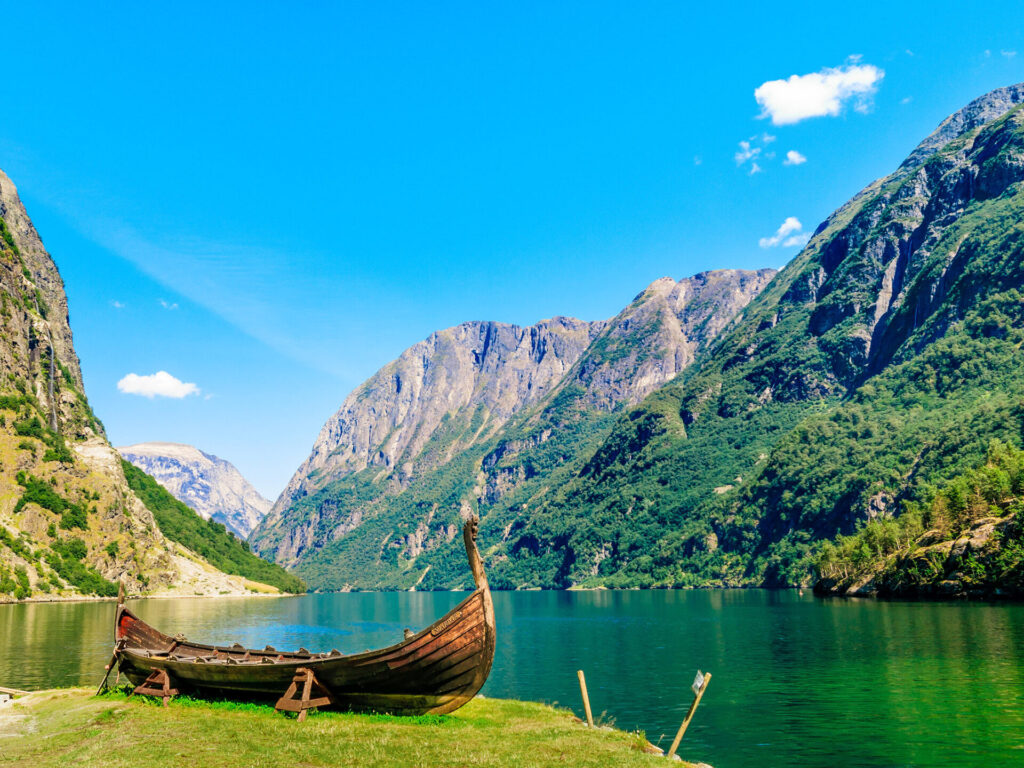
x: 157, y: 684
x: 314, y: 694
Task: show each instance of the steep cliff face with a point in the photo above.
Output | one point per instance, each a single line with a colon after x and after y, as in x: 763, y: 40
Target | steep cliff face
x: 660, y: 334
x: 480, y: 373
x: 472, y: 414
x: 69, y: 523
x: 210, y: 485
x: 879, y: 361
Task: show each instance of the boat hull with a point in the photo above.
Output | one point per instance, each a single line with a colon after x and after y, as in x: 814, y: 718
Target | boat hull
x: 435, y: 671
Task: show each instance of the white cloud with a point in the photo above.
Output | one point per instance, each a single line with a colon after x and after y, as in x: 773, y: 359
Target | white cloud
x: 116, y: 304
x: 168, y: 305
x: 747, y: 152
x: 818, y: 94
x: 755, y: 168
x: 697, y: 159
x: 794, y: 158
x: 1008, y: 54
x: 159, y: 384
x: 790, y: 233
x: 906, y: 99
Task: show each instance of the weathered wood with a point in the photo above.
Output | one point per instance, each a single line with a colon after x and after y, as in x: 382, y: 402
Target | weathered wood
x: 13, y: 691
x: 157, y: 684
x: 435, y: 670
x: 586, y: 699
x: 314, y: 694
x: 689, y: 716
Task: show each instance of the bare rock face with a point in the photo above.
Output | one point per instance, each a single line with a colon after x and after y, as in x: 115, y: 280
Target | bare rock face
x: 467, y: 380
x: 210, y: 485
x: 660, y: 333
x: 63, y: 495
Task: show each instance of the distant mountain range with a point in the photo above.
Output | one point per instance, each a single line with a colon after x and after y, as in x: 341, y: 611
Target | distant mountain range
x: 210, y: 485
x: 717, y: 430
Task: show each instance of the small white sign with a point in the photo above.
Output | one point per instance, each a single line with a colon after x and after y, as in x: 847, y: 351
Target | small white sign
x: 698, y: 681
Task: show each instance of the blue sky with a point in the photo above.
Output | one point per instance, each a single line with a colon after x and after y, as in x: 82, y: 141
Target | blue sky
x: 270, y: 201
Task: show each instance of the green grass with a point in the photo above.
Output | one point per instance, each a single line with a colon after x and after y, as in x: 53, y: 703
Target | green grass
x: 207, y: 538
x: 72, y: 727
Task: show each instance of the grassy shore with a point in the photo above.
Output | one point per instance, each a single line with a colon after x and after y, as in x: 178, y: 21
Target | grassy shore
x: 72, y: 727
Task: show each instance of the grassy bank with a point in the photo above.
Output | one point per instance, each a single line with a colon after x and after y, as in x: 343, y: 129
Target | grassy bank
x: 72, y: 727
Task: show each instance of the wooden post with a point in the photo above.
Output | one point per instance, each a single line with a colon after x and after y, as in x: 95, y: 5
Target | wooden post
x: 586, y: 699
x: 698, y: 694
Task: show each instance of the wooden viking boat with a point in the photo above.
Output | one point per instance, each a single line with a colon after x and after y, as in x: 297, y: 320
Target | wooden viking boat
x: 433, y: 671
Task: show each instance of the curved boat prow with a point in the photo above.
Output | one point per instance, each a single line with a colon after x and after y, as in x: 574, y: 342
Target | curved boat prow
x: 476, y: 563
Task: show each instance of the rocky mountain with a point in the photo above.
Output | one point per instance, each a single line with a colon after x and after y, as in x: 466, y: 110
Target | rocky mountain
x: 470, y: 419
x: 881, y: 363
x: 210, y: 485
x: 464, y: 381
x: 69, y: 522
x: 883, y: 360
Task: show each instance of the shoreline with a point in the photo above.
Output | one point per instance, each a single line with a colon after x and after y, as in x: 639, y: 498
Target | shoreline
x: 994, y: 597
x: 98, y: 599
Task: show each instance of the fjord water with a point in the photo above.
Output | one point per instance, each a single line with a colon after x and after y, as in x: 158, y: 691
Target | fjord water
x: 797, y: 680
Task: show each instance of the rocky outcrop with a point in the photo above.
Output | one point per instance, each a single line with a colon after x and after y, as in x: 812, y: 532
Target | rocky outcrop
x: 69, y: 523
x: 936, y: 566
x: 210, y: 485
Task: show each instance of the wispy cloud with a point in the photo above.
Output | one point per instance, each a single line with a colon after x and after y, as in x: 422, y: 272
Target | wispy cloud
x: 251, y: 287
x: 906, y: 99
x: 159, y: 384
x: 1008, y: 54
x: 117, y: 304
x: 818, y: 94
x: 168, y: 305
x: 790, y: 233
x: 747, y: 152
x: 794, y: 158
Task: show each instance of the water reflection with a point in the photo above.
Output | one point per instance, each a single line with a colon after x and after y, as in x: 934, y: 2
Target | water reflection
x: 797, y: 680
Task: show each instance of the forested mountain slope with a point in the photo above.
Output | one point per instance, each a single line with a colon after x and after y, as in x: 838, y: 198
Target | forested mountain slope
x: 883, y: 359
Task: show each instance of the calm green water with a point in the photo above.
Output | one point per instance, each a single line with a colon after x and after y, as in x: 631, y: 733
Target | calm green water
x: 798, y: 681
